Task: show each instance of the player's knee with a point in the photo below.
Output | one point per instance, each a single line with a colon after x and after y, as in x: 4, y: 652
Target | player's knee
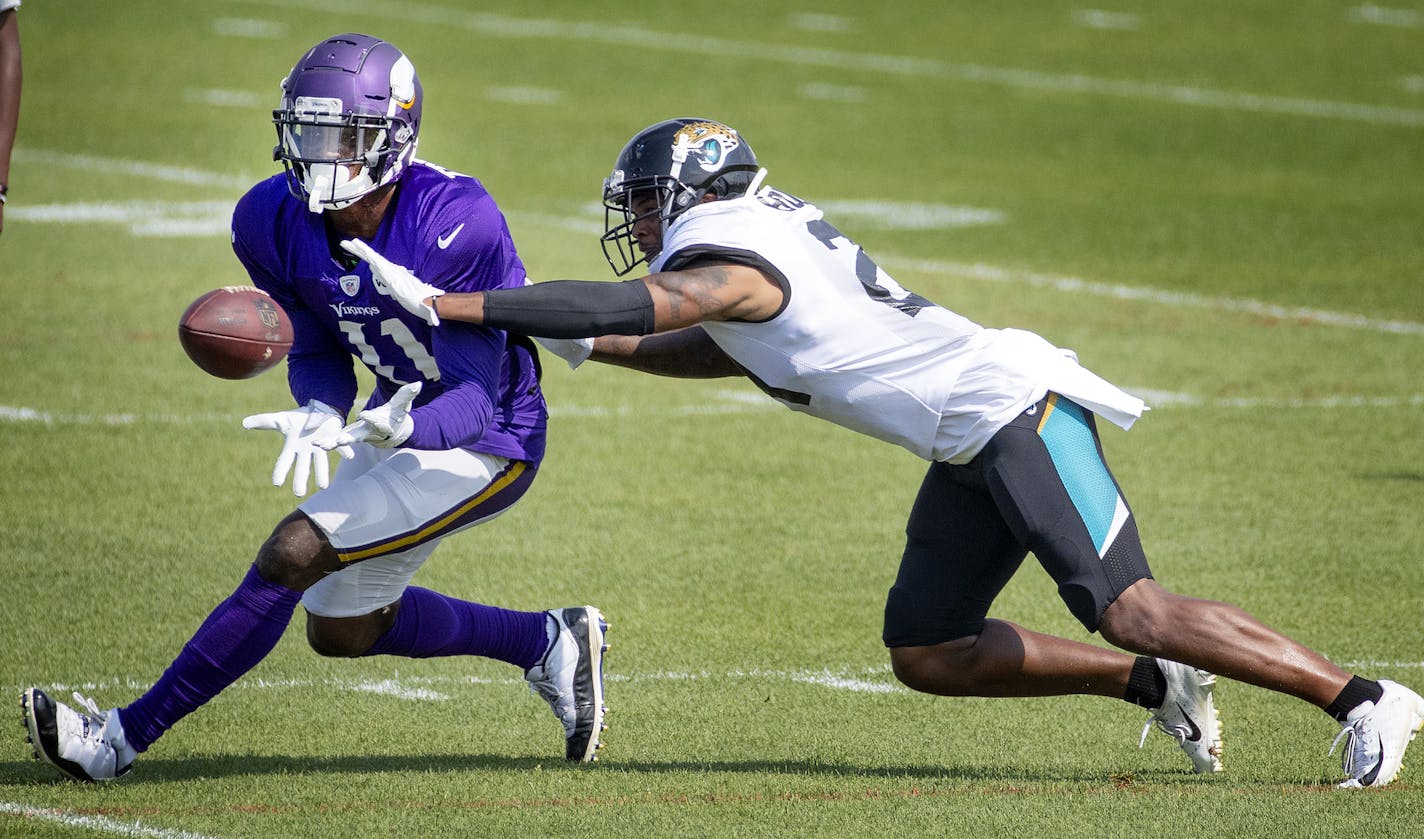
x: 1139, y: 618
x: 296, y: 555
x: 339, y: 637
x: 909, y: 666
x: 335, y: 646
x: 934, y: 669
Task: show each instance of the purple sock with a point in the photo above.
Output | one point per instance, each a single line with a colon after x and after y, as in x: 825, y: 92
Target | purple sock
x: 238, y: 634
x: 430, y: 624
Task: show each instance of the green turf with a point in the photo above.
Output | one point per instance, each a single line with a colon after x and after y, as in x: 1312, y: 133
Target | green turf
x: 1159, y: 186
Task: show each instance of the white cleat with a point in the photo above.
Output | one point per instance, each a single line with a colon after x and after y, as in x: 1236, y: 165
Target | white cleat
x: 1188, y: 715
x: 570, y: 678
x: 1376, y: 735
x: 87, y: 745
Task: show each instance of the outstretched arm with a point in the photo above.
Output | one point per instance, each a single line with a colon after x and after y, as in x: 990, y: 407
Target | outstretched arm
x: 672, y: 302
x: 685, y: 353
x: 656, y: 303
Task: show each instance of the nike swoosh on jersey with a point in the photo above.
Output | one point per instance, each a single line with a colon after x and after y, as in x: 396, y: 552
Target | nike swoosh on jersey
x: 444, y: 241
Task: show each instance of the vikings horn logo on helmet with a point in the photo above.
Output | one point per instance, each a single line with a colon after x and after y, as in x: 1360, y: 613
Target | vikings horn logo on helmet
x: 348, y: 120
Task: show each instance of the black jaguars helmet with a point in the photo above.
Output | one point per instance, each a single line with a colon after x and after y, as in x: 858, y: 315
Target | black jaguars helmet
x: 676, y: 162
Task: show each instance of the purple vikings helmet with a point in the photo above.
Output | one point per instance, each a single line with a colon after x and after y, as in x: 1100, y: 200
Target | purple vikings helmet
x: 349, y: 120
x: 677, y: 161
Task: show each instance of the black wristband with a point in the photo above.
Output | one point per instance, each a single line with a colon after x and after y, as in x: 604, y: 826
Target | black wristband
x: 572, y: 309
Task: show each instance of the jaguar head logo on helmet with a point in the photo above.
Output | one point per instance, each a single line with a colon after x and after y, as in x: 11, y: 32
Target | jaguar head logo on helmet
x: 662, y: 172
x: 349, y: 120
x: 708, y: 143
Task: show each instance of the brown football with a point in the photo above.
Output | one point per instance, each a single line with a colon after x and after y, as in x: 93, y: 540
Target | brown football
x: 235, y: 332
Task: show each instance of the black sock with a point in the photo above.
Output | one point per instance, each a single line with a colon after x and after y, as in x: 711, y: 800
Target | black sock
x: 1356, y: 691
x: 1146, y: 686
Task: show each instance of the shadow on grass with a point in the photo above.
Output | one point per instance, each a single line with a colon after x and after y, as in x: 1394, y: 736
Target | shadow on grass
x: 1412, y: 477
x: 160, y: 770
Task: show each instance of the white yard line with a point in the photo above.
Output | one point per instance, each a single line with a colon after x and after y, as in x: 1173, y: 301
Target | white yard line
x: 643, y: 39
x: 211, y: 218
x: 392, y: 687
x: 1386, y: 16
x: 262, y: 30
x: 139, y: 168
x: 98, y: 824
x: 1171, y: 399
x: 1077, y: 285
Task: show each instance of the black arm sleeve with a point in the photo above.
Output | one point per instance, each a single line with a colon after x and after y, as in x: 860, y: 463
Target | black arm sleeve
x: 572, y: 309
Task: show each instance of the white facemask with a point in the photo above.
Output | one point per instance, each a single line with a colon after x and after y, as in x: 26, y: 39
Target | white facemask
x: 331, y: 187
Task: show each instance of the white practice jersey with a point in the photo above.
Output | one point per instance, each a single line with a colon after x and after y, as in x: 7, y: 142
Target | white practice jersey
x: 852, y: 346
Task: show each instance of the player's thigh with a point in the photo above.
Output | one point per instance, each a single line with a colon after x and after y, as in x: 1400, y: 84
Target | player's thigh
x: 386, y: 518
x: 959, y: 554
x: 1053, y: 487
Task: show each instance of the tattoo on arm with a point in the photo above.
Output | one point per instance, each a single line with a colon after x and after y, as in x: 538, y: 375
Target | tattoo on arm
x: 701, y: 289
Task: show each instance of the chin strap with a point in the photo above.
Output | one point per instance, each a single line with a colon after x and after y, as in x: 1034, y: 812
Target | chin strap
x: 322, y: 181
x: 317, y: 186
x: 756, y: 182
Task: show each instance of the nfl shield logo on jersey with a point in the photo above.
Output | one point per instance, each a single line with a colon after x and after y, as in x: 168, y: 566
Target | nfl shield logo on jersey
x: 350, y: 284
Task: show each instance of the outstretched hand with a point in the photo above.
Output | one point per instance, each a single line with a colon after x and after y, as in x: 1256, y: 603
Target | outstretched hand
x: 308, y: 433
x: 384, y: 426
x: 398, y: 282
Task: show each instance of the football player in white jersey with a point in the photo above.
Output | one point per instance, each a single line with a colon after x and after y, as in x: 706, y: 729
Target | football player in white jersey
x: 747, y: 280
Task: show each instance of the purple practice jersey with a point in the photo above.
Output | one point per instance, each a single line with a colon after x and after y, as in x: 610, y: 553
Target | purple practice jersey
x: 481, y: 387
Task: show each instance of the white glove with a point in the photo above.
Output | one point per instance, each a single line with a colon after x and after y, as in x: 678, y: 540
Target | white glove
x: 308, y: 433
x: 573, y: 350
x: 384, y: 426
x: 397, y: 281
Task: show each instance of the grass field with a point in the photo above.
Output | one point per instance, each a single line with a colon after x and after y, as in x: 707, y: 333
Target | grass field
x: 1217, y: 205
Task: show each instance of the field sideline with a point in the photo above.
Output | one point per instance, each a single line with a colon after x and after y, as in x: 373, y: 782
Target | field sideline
x: 1216, y: 205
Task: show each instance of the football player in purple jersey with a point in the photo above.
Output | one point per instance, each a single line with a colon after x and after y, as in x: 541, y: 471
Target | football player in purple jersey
x: 451, y: 436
